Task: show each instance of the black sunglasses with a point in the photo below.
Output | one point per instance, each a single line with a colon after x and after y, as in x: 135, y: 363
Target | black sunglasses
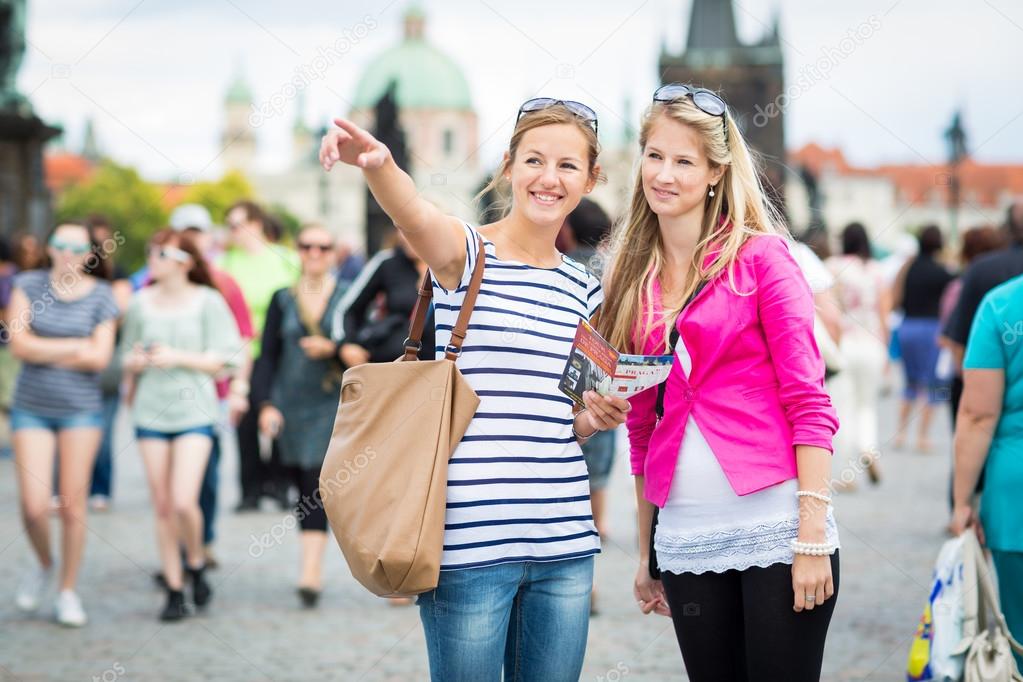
x: 707, y: 101
x: 578, y: 108
x: 322, y: 248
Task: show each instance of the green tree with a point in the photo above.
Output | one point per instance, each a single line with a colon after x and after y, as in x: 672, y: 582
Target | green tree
x: 288, y: 220
x: 133, y: 206
x: 217, y: 196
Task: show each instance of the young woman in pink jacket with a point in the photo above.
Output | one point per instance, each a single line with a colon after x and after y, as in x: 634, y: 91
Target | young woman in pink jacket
x: 745, y: 544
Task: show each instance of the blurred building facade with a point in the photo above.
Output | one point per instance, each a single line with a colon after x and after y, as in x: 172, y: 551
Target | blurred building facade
x: 892, y: 199
x: 435, y: 112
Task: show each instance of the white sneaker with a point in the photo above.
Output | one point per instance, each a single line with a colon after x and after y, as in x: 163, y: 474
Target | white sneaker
x: 69, y: 610
x: 32, y: 587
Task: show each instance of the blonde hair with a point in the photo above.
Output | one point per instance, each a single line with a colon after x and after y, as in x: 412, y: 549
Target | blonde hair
x: 738, y: 210
x: 554, y: 115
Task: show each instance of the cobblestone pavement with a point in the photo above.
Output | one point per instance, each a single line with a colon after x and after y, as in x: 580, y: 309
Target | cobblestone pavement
x: 256, y: 631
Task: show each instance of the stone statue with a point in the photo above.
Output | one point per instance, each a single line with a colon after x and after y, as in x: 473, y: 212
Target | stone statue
x: 387, y: 128
x: 12, y: 50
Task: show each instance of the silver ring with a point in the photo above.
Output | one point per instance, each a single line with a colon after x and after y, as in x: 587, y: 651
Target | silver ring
x: 811, y: 597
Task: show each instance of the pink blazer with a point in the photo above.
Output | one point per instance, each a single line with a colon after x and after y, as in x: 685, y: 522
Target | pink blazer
x: 756, y: 388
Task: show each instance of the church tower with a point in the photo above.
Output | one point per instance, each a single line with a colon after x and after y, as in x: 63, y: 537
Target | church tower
x: 304, y: 144
x: 238, y: 140
x: 749, y: 77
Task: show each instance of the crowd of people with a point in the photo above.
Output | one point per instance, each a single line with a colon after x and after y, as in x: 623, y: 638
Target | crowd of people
x: 180, y: 343
x: 782, y: 351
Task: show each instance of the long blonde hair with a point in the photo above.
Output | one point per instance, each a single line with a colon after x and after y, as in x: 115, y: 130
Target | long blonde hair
x: 553, y: 115
x: 738, y: 210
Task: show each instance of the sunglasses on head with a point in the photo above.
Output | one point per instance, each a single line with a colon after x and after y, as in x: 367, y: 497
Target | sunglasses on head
x: 309, y: 246
x: 76, y: 248
x: 578, y: 108
x: 707, y: 101
x: 170, y: 253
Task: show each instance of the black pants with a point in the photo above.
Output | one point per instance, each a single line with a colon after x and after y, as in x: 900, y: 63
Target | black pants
x: 309, y: 508
x: 739, y: 626
x: 209, y: 489
x: 257, y: 477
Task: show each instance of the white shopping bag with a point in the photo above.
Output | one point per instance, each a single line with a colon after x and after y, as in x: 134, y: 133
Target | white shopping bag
x: 933, y: 655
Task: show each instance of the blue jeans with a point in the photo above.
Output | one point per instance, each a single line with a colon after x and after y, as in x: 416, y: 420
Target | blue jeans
x: 531, y: 617
x: 103, y: 469
x: 599, y: 452
x: 918, y: 338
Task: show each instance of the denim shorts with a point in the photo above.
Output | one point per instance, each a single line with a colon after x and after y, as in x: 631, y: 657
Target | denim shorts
x: 204, y: 430
x: 23, y: 419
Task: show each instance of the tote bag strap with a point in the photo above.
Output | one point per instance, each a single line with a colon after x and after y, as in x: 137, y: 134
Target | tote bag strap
x: 414, y: 342
x: 989, y: 606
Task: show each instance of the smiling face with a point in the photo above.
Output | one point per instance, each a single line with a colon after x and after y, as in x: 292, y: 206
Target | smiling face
x: 550, y: 173
x: 677, y: 174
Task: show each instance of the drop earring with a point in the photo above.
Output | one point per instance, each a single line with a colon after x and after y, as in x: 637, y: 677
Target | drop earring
x: 711, y: 193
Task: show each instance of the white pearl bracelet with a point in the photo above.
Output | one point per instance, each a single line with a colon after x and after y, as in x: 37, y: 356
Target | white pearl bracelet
x: 813, y: 548
x: 817, y: 496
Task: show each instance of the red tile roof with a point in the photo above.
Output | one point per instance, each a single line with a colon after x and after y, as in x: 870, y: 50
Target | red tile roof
x: 980, y: 184
x: 63, y: 170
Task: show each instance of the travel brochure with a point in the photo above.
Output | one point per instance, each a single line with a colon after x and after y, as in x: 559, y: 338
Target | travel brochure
x: 594, y: 364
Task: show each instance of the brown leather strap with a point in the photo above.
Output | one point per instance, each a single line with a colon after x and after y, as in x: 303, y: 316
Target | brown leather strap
x: 415, y: 333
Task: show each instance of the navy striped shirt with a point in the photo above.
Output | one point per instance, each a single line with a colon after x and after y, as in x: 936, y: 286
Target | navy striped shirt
x: 517, y: 483
x: 50, y: 390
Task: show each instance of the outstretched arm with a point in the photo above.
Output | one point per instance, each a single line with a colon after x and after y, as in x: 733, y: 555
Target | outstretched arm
x: 435, y: 237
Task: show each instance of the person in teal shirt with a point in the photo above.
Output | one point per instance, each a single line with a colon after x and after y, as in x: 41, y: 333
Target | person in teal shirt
x: 989, y: 437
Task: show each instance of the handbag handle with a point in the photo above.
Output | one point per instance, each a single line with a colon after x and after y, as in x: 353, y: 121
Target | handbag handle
x: 988, y: 608
x: 414, y: 342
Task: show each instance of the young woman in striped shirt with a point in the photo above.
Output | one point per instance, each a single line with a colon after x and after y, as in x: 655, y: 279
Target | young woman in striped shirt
x: 519, y: 538
x: 60, y: 323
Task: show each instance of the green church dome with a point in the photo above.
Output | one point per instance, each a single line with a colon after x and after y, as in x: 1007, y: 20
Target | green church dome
x: 238, y: 92
x: 426, y: 78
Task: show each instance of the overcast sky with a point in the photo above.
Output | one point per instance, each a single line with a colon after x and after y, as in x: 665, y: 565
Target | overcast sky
x: 153, y: 73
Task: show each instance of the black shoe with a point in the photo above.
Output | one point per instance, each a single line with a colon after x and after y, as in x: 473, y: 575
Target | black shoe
x: 248, y: 504
x: 175, y: 608
x: 160, y: 580
x: 201, y: 591
x: 309, y: 597
x: 874, y: 472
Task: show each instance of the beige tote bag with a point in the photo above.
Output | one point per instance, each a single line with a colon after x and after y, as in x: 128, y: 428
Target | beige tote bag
x: 384, y: 477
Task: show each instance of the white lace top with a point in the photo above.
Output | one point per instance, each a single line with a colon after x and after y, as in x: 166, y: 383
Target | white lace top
x: 704, y: 526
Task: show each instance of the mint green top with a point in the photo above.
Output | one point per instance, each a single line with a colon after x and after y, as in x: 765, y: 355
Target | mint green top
x: 259, y: 275
x: 996, y: 342
x: 178, y: 398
